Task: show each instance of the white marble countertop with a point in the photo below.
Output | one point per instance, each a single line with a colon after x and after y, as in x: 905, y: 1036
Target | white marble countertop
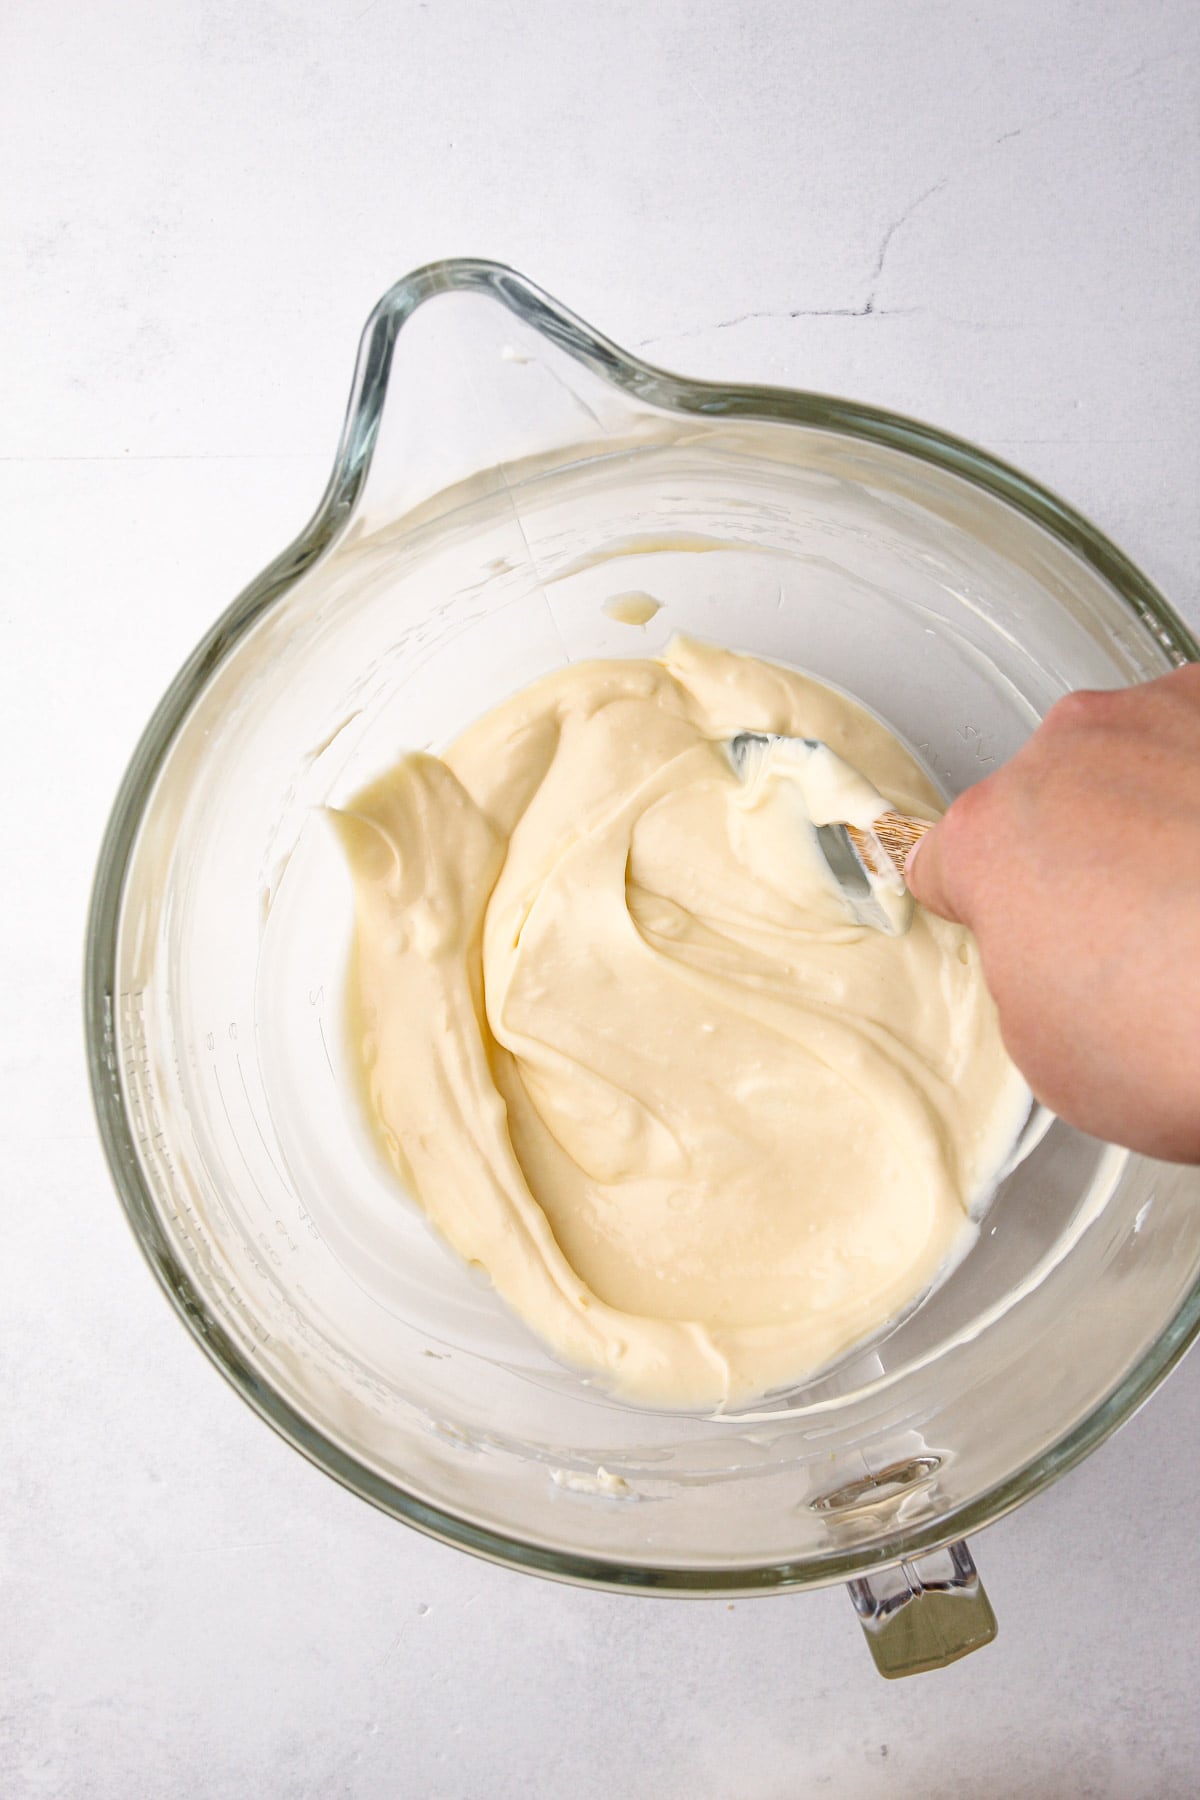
x: 988, y: 216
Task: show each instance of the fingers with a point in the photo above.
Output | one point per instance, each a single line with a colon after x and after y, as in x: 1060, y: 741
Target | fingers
x: 925, y: 873
x: 950, y: 868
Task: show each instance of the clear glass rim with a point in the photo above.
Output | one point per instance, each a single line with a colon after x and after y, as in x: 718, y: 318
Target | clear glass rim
x: 657, y: 387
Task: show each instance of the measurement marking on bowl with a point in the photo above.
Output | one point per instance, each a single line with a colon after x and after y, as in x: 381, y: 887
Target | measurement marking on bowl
x: 978, y: 741
x: 932, y: 760
x: 188, y: 1231
x: 136, y: 1051
x: 283, y: 1181
x: 234, y: 1135
x: 309, y: 1223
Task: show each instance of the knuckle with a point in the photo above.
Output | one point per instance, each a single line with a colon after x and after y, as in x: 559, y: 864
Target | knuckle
x: 962, y: 832
x: 966, y: 817
x: 1081, y: 709
x: 1185, y: 683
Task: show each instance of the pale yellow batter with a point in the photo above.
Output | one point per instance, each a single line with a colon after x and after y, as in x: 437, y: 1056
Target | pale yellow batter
x: 623, y: 1041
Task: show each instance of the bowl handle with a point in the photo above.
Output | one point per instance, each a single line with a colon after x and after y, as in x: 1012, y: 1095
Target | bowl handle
x: 924, y: 1613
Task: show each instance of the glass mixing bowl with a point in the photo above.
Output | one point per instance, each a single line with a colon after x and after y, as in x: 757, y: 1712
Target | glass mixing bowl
x: 503, y: 472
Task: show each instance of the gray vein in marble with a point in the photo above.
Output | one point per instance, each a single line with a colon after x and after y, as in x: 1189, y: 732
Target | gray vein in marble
x: 870, y: 307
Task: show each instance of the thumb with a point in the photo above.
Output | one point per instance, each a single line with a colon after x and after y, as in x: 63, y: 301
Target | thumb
x: 925, y: 873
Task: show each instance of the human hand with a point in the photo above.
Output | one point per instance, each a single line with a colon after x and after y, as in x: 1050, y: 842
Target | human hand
x: 1077, y: 867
